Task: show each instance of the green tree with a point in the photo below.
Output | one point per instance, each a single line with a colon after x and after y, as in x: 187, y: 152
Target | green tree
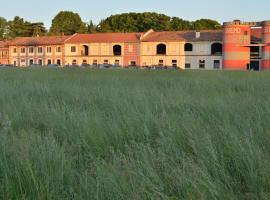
x: 141, y: 22
x: 67, y: 22
x: 203, y: 24
x: 18, y: 27
x: 38, y: 29
x: 91, y: 27
x: 3, y: 28
x: 177, y: 24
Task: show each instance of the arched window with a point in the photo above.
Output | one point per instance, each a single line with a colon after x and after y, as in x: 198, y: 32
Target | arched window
x: 188, y: 47
x: 216, y: 49
x: 161, y: 49
x: 117, y: 50
x: 85, y: 50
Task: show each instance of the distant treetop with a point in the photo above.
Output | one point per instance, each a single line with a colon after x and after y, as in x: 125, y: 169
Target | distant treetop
x: 68, y: 23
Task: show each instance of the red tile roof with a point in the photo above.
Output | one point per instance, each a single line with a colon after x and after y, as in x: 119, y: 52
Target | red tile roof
x: 206, y: 35
x: 34, y: 41
x: 105, y: 37
x: 4, y: 44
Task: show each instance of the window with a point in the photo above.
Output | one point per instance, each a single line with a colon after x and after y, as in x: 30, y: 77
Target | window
x: 14, y: 50
x: 84, y: 62
x: 160, y: 63
x: 117, y: 50
x: 161, y: 49
x: 95, y: 62
x: 22, y: 50
x: 201, y: 64
x: 174, y: 63
x: 58, y: 62
x: 40, y: 62
x: 216, y: 64
x: 255, y: 52
x: 31, y: 50
x: 49, y: 50
x: 49, y: 62
x: 188, y: 47
x: 133, y: 63
x: 22, y: 61
x: 74, y: 62
x: 31, y: 62
x: 73, y: 49
x: 58, y: 49
x: 117, y: 62
x: 40, y: 50
x: 187, y: 66
x: 106, y: 62
x: 216, y: 49
x: 15, y: 63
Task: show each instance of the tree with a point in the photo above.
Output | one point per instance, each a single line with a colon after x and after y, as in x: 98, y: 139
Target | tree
x: 91, y: 27
x: 203, y: 24
x: 179, y: 24
x: 3, y: 28
x: 18, y: 27
x: 141, y: 22
x: 68, y: 23
x: 38, y: 29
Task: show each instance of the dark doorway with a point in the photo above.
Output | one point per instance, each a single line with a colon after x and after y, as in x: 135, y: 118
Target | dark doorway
x: 117, y: 50
x: 85, y: 51
x: 255, y: 52
x: 216, y: 49
x: 161, y: 49
x: 255, y: 65
x: 216, y: 64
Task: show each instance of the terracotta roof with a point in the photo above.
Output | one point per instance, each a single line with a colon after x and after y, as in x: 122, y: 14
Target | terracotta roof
x: 206, y: 35
x: 4, y: 44
x: 34, y: 41
x: 104, y: 37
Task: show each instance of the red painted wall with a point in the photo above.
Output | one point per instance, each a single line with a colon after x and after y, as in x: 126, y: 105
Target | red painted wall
x: 131, y: 53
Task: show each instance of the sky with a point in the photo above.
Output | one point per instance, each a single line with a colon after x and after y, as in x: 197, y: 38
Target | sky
x: 222, y: 10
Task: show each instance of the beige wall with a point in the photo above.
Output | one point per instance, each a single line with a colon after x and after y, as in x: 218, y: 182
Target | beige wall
x: 97, y: 51
x: 175, y: 51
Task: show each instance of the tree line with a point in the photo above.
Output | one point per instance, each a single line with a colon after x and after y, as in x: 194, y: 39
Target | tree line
x: 68, y: 23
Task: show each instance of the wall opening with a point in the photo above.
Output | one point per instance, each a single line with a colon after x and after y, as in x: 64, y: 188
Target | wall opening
x: 188, y: 47
x: 161, y: 49
x: 216, y: 49
x: 117, y: 50
x: 85, y: 50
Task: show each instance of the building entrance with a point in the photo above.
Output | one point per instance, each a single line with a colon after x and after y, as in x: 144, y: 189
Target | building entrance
x: 255, y: 65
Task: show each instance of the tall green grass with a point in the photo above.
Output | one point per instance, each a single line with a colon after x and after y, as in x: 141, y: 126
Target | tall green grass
x: 121, y: 134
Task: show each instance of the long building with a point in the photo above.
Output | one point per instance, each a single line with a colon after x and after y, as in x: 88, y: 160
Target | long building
x: 238, y: 46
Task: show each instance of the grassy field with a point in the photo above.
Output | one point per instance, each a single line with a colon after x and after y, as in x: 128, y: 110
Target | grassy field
x: 123, y: 134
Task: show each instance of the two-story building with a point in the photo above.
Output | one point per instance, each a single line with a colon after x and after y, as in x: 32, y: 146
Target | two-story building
x: 25, y: 51
x: 103, y: 48
x: 4, y: 52
x: 239, y: 46
x: 183, y: 49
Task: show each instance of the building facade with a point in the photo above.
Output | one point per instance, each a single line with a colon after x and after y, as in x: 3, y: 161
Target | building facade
x: 25, y: 51
x: 239, y: 46
x: 4, y: 49
x: 121, y: 49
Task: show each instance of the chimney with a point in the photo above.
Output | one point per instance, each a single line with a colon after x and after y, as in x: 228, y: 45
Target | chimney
x: 198, y: 34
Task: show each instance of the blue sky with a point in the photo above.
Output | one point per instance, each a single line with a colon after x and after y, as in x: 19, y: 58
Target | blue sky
x: 226, y: 10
